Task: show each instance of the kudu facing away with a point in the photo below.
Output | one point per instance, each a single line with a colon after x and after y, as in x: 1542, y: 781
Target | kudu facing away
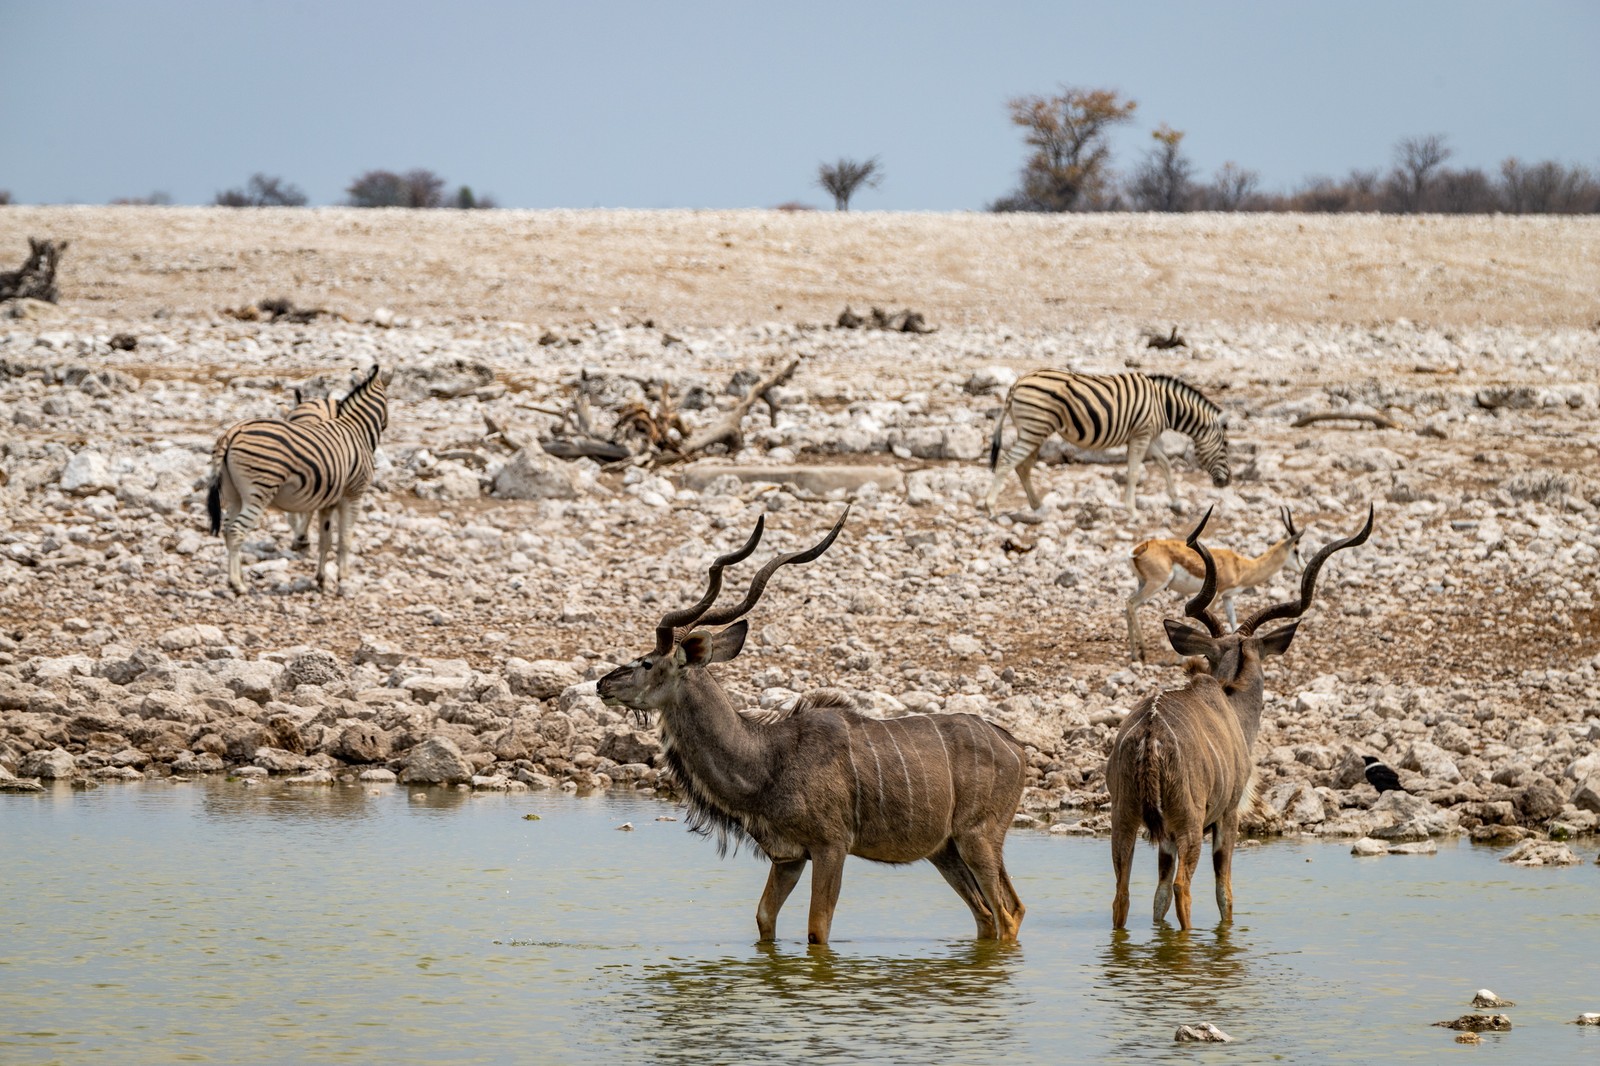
x: 1165, y: 563
x: 1181, y: 763
x: 823, y: 782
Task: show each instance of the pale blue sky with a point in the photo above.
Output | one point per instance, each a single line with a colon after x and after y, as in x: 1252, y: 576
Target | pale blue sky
x: 733, y: 104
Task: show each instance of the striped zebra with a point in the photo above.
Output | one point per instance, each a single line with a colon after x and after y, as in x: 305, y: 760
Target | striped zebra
x: 1101, y: 411
x: 319, y: 410
x: 310, y: 466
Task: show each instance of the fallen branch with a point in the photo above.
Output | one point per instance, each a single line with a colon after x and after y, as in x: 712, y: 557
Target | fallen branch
x: 1370, y: 417
x: 728, y: 429
x: 1171, y: 340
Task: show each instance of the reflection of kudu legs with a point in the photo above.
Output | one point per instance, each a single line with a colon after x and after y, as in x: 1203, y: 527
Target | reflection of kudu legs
x: 780, y: 882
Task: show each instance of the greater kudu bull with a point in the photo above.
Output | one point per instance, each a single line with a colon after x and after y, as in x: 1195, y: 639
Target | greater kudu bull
x: 1181, y: 763
x: 823, y: 782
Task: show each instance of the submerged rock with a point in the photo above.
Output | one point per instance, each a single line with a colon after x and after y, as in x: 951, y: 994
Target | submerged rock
x: 1478, y: 1023
x: 1486, y: 998
x: 1541, y: 853
x: 1200, y: 1033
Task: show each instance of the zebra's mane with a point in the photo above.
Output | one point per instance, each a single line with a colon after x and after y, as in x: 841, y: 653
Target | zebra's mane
x: 360, y: 390
x: 1179, y: 385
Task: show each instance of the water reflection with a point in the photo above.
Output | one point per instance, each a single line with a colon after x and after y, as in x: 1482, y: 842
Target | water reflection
x: 238, y: 801
x: 1174, y: 977
x: 799, y: 1004
x: 344, y: 801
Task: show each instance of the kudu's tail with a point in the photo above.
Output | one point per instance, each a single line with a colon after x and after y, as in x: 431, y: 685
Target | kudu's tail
x: 1148, y: 757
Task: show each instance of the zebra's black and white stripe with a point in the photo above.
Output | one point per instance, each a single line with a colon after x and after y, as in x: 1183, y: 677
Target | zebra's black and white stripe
x: 317, y: 410
x: 314, y: 465
x: 1101, y: 411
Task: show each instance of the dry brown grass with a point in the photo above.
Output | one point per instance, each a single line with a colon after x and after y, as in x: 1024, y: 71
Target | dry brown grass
x: 719, y: 268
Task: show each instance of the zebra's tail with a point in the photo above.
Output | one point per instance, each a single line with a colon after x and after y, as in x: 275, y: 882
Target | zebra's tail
x: 214, y: 503
x: 994, y: 438
x: 219, y: 464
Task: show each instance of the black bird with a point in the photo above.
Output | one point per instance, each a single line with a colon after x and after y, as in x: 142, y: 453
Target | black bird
x: 1382, y: 777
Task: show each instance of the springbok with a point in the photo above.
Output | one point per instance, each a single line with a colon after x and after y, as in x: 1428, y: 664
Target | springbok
x: 1181, y: 763
x: 1167, y: 563
x: 823, y: 782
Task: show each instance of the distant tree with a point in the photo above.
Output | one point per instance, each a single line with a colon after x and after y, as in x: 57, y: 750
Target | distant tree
x: 1232, y: 188
x: 466, y: 200
x: 841, y: 179
x: 155, y: 199
x: 1069, y: 167
x: 5, y: 197
x: 1164, y: 180
x: 1415, y: 161
x: 1548, y: 188
x: 263, y: 190
x: 385, y: 188
x: 1462, y: 192
x: 795, y: 205
x: 1357, y: 192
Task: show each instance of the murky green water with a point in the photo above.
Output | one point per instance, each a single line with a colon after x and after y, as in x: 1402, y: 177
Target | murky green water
x: 211, y: 922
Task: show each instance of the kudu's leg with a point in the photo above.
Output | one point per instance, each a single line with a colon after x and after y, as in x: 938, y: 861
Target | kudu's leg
x: 1188, y: 860
x: 983, y: 859
x: 1123, y: 839
x: 827, y: 875
x: 1223, y: 836
x: 1014, y: 901
x: 948, y: 862
x: 780, y: 882
x: 1167, y: 866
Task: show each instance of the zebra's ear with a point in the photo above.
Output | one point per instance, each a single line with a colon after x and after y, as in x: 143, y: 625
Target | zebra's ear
x: 297, y: 400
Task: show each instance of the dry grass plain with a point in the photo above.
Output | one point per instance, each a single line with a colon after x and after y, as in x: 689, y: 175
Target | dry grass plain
x: 723, y: 268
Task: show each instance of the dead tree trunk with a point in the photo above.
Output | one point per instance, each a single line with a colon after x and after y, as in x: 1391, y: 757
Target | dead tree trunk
x: 728, y: 429
x: 37, y: 278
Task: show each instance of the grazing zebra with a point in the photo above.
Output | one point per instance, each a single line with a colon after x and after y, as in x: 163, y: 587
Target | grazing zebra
x: 310, y: 466
x: 321, y: 410
x: 1101, y: 411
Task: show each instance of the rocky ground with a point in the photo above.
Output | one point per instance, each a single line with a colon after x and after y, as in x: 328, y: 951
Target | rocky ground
x: 493, y: 583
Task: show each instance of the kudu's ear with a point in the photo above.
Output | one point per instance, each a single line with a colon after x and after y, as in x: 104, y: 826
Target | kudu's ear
x: 1277, y: 642
x: 1189, y: 641
x: 702, y: 646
